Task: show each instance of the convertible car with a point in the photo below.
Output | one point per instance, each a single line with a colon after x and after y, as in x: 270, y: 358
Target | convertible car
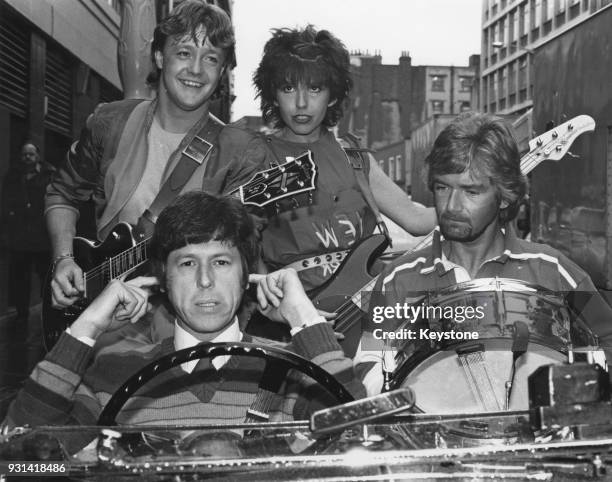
x: 564, y: 434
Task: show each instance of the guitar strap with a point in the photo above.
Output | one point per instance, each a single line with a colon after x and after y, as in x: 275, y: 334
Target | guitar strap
x: 354, y: 155
x: 197, y: 153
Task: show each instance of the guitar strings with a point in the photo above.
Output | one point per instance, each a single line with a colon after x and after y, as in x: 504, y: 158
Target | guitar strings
x: 106, y: 267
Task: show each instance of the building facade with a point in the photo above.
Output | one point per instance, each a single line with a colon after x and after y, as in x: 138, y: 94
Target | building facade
x: 388, y: 102
x: 58, y: 60
x: 511, y: 31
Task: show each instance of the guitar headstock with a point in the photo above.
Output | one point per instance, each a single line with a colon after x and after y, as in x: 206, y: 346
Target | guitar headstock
x: 554, y: 144
x: 288, y: 179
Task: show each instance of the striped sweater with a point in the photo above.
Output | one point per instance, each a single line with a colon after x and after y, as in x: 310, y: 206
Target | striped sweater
x: 74, y: 382
x: 408, y: 277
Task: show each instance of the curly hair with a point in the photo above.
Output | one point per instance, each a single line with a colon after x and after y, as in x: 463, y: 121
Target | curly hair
x: 186, y: 19
x: 197, y: 217
x: 303, y: 56
x: 485, y: 144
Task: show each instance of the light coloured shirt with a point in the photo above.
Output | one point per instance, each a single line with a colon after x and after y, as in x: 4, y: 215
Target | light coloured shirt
x: 161, y: 145
x: 184, y: 339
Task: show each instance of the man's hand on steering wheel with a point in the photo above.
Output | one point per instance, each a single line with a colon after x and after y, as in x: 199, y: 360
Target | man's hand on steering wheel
x: 120, y: 302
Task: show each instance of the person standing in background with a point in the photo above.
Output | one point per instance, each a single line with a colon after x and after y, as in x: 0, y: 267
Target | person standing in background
x: 23, y: 226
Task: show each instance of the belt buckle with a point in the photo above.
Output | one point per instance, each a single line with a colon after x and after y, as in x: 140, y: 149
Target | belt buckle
x: 198, y: 149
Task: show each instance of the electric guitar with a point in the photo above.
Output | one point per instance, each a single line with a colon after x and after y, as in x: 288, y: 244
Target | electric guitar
x: 124, y: 249
x: 353, y: 275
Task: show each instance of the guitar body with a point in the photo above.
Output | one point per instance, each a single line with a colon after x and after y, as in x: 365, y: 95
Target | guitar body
x: 87, y: 255
x: 338, y: 293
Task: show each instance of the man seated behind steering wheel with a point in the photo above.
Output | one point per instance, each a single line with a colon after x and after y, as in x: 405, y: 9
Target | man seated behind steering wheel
x: 474, y: 174
x: 203, y: 247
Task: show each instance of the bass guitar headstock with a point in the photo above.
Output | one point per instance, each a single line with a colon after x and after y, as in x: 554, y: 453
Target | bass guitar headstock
x: 554, y: 144
x: 288, y: 179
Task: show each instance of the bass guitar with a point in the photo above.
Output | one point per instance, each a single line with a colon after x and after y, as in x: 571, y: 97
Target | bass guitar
x: 123, y: 251
x: 348, y: 291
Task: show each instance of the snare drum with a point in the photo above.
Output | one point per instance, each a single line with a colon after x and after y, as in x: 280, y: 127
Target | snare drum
x: 451, y: 376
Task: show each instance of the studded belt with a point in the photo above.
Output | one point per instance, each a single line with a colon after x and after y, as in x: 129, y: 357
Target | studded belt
x: 319, y: 260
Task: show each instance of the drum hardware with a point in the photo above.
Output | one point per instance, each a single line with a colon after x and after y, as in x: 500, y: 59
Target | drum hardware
x: 575, y: 394
x: 519, y: 347
x: 474, y: 367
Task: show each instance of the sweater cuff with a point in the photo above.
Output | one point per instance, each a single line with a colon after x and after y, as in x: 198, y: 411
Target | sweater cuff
x: 315, y: 340
x: 71, y: 354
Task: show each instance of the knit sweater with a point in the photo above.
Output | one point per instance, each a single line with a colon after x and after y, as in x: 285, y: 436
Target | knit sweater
x: 74, y: 382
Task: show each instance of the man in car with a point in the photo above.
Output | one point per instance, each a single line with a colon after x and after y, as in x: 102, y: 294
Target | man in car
x: 203, y: 249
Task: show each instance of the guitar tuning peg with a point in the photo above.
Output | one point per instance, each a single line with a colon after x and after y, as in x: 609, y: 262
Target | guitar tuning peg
x: 539, y: 142
x: 555, y: 135
x: 309, y: 197
x: 570, y: 127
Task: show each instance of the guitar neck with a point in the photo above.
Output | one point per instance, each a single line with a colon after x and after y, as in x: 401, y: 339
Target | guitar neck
x: 129, y: 259
x: 114, y: 267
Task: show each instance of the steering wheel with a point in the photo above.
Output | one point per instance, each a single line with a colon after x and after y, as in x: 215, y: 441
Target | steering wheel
x: 210, y: 350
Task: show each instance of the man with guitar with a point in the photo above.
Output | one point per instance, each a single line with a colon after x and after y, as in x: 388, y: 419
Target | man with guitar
x: 134, y: 156
x: 202, y: 251
x: 474, y: 172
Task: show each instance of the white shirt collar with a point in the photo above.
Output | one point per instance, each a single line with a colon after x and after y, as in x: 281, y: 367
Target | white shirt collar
x: 184, y: 339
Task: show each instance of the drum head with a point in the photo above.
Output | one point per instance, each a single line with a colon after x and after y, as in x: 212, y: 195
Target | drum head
x: 474, y: 376
x: 447, y: 382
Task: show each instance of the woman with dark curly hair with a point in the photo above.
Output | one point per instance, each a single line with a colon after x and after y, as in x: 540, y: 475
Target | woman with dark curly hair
x: 303, y: 81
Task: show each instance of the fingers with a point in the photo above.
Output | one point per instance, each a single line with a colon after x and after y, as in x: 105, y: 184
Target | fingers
x: 143, y: 282
x: 268, y: 289
x: 328, y: 315
x: 133, y: 304
x: 67, y: 283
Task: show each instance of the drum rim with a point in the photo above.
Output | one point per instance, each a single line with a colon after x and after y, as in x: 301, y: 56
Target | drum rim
x: 416, y: 358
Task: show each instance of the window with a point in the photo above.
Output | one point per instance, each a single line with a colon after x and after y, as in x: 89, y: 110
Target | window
x: 536, y: 12
x: 512, y: 77
x: 514, y: 30
x: 465, y: 106
x: 548, y: 9
x: 522, y: 72
x: 465, y: 83
x: 437, y: 106
x: 523, y: 21
x: 561, y: 6
x: 116, y: 4
x: 398, y: 167
x: 437, y: 83
x: 502, y: 82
